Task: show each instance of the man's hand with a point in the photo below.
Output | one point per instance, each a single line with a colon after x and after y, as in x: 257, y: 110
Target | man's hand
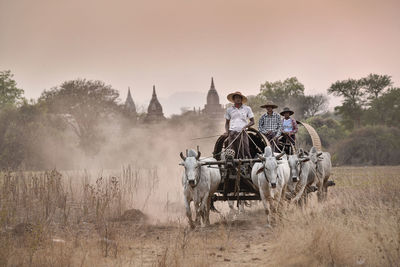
x: 226, y: 134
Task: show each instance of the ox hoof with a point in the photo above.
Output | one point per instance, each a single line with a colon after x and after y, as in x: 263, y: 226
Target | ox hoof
x: 313, y: 188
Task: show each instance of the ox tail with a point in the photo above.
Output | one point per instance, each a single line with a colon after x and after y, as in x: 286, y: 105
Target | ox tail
x: 212, y: 207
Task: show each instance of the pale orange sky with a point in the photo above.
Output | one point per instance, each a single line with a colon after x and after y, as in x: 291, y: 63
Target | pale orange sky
x: 178, y: 45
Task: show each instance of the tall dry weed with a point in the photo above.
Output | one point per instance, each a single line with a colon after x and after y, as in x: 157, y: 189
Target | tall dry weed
x: 358, y: 225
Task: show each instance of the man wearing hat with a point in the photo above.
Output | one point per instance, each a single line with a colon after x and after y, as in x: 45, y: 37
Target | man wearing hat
x: 289, y: 126
x: 238, y: 118
x: 270, y: 123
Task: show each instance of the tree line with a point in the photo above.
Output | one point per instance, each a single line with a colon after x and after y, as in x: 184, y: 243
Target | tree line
x: 364, y: 129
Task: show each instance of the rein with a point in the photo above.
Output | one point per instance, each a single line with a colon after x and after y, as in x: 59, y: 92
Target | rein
x: 265, y: 174
x: 251, y: 139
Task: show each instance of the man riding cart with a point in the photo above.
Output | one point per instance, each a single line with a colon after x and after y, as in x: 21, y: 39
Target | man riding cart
x: 289, y: 130
x: 280, y: 133
x: 239, y: 117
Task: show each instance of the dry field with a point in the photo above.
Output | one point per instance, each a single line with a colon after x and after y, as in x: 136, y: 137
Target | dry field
x: 96, y: 219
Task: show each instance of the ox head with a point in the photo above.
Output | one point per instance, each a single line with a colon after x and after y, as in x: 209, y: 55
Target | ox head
x: 270, y: 166
x: 315, y: 156
x: 192, y: 166
x: 295, y: 164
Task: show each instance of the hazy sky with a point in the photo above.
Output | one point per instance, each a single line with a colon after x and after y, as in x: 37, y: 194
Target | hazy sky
x: 178, y: 45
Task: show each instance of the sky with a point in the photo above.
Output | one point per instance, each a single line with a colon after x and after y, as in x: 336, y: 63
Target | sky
x: 178, y: 45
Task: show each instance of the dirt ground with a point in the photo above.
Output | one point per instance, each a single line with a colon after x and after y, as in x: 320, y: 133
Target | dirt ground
x: 238, y: 241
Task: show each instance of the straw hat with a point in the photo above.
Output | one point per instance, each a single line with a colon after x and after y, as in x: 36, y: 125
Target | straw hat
x: 231, y: 95
x: 269, y: 104
x: 287, y: 110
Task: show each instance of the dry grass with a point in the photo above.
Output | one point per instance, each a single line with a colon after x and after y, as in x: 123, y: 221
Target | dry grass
x: 360, y: 224
x: 80, y: 219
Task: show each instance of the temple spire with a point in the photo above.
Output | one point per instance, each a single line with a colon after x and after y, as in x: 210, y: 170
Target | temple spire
x: 129, y: 93
x: 154, y: 111
x: 213, y: 108
x: 212, y: 83
x: 129, y: 104
x: 129, y: 99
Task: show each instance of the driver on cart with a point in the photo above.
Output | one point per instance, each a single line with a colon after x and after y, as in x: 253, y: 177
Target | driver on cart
x: 237, y: 123
x: 270, y: 124
x: 289, y: 127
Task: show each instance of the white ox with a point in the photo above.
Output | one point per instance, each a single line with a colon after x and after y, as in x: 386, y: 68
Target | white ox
x: 302, y: 174
x: 323, y: 170
x: 271, y: 177
x: 310, y: 170
x: 199, y: 184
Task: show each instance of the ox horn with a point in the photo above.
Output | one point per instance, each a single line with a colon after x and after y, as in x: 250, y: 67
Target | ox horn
x: 260, y: 170
x: 278, y: 157
x: 198, y: 153
x: 261, y: 157
x: 305, y: 159
x: 182, y: 156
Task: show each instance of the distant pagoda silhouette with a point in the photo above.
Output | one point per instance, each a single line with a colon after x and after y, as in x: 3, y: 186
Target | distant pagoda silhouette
x: 213, y: 108
x: 130, y: 107
x: 154, y: 111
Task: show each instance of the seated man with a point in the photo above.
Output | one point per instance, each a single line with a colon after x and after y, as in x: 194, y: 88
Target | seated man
x: 289, y: 127
x: 237, y: 118
x: 270, y: 124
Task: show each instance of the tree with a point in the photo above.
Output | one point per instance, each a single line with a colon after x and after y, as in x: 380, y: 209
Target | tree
x: 282, y: 92
x: 352, y: 92
x: 9, y: 93
x: 376, y: 145
x: 315, y: 104
x: 255, y: 102
x: 329, y: 130
x: 385, y: 109
x: 375, y: 84
x: 83, y: 103
x: 24, y: 130
x: 289, y: 93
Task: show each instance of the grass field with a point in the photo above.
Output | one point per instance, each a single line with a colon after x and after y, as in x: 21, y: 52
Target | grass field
x: 95, y: 219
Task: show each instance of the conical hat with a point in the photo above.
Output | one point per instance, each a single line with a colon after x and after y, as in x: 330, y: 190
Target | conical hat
x: 231, y: 95
x: 287, y: 110
x: 269, y: 104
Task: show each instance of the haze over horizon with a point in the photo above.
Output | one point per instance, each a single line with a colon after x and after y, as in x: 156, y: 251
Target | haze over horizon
x: 179, y: 45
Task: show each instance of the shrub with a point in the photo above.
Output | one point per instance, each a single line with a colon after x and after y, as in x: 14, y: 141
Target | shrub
x: 373, y: 145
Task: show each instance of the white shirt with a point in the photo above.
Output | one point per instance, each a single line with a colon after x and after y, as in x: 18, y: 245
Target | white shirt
x: 238, y: 117
x: 287, y: 125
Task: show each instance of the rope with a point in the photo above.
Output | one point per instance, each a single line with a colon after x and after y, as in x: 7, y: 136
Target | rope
x: 234, y: 139
x: 210, y: 157
x: 204, y: 137
x: 276, y: 145
x: 240, y: 145
x: 291, y: 144
x: 259, y: 149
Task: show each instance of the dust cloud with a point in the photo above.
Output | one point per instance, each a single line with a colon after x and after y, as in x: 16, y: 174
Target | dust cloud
x: 143, y: 157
